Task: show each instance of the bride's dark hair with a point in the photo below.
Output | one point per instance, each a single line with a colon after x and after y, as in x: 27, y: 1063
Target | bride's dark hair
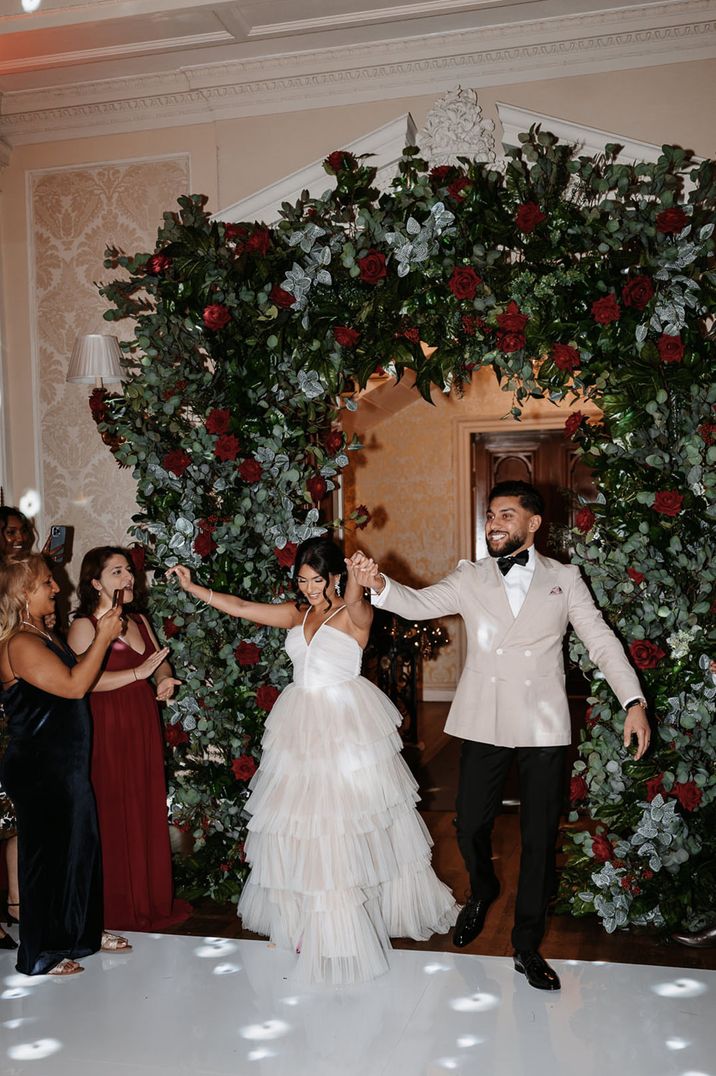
x: 326, y: 559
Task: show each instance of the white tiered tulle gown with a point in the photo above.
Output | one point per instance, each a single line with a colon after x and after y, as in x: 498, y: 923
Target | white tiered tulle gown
x: 340, y: 858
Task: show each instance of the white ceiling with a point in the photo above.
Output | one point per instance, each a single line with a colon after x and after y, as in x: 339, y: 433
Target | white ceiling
x: 75, y: 67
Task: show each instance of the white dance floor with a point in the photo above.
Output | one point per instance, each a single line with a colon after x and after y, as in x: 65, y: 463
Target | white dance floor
x: 216, y: 1007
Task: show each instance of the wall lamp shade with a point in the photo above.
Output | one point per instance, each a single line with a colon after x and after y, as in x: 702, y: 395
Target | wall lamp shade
x: 96, y: 358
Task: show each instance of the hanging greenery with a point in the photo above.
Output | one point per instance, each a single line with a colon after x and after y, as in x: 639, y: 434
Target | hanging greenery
x: 571, y: 277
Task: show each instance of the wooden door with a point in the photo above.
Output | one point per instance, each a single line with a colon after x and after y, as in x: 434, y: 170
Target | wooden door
x: 549, y: 461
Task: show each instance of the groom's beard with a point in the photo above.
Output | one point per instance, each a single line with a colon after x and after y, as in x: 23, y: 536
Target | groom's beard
x: 510, y: 546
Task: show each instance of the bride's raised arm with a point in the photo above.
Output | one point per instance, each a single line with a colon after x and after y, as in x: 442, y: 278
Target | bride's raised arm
x: 281, y: 615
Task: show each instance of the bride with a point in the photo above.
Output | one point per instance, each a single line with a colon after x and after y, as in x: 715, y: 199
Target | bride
x: 339, y: 856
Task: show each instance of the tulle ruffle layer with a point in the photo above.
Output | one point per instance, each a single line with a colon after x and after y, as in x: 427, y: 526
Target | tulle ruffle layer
x: 340, y: 858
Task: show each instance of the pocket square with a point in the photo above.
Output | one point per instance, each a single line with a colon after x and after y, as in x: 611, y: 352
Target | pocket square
x: 556, y: 590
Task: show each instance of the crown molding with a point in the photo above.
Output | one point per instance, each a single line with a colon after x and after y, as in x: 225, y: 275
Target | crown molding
x: 114, y: 52
x: 642, y: 36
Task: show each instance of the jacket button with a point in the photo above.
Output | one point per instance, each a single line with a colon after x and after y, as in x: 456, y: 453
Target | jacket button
x: 528, y: 653
x: 499, y: 650
x: 493, y: 679
x: 528, y: 682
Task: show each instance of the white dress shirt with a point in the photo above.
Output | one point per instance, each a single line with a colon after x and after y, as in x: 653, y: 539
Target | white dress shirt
x: 517, y: 581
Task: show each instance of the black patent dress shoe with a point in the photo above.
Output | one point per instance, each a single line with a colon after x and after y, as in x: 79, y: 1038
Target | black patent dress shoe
x: 701, y: 939
x: 6, y: 942
x: 470, y: 922
x: 536, y: 970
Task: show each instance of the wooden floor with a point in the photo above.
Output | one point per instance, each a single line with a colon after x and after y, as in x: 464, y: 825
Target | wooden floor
x: 566, y: 938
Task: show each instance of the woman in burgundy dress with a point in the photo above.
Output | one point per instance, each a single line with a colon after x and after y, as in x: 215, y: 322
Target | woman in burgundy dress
x: 128, y: 751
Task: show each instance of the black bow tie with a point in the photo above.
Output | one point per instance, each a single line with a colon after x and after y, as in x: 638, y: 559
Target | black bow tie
x: 505, y: 563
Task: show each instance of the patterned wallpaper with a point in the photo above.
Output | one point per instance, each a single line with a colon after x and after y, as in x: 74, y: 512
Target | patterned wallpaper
x: 74, y: 214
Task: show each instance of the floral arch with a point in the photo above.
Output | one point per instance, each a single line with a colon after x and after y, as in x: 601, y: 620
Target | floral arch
x: 571, y: 277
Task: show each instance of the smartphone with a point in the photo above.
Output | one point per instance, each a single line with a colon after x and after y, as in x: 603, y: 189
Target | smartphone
x: 56, y: 544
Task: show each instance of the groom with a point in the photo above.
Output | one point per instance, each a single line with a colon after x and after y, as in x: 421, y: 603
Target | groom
x: 511, y: 700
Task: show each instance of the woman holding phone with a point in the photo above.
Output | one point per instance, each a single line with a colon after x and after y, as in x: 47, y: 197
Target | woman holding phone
x: 128, y: 749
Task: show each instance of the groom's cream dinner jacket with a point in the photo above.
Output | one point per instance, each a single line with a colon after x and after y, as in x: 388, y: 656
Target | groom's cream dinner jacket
x: 511, y: 691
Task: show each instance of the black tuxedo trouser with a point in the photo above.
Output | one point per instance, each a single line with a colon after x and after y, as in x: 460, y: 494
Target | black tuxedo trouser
x: 483, y: 769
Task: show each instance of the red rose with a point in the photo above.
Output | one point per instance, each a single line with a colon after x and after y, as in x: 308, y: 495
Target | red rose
x: 457, y: 186
x: 247, y: 654
x: 137, y: 555
x: 266, y: 697
x: 170, y: 628
x: 98, y: 404
x: 565, y: 357
x: 668, y: 502
x: 244, y: 768
x: 635, y: 576
x: 528, y: 217
x: 510, y: 342
x: 216, y: 316
x: 340, y: 160
x: 670, y: 221
x: 512, y: 319
x: 688, y: 794
x: 287, y: 555
x: 227, y: 447
x: 638, y: 292
x: 441, y: 172
x: 707, y: 432
x: 236, y: 232
x: 176, y: 461
x: 259, y: 241
x: 345, y: 336
x: 589, y: 720
x: 362, y: 517
x: 602, y: 848
x: 463, y: 282
x: 158, y: 264
x: 282, y: 299
x: 316, y: 486
x: 645, y: 654
x: 606, y: 309
x: 250, y: 471
x: 671, y: 348
x: 411, y: 334
x: 655, y: 787
x: 647, y: 874
x: 217, y: 421
x: 585, y: 520
x: 204, y: 544
x: 578, y: 790
x: 175, y: 735
x: 333, y: 442
x: 372, y: 267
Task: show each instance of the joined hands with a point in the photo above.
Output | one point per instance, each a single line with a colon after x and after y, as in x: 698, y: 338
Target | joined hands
x: 365, y: 571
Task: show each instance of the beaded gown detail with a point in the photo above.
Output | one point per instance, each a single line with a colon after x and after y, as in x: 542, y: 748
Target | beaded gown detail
x: 339, y: 856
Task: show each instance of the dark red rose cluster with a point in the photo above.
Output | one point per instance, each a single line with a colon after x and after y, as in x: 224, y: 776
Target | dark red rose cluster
x: 668, y: 502
x: 250, y: 471
x: 606, y: 309
x: 244, y: 767
x: 646, y: 654
x: 157, y: 264
x: 529, y: 216
x: 635, y: 576
x: 573, y: 423
x: 287, y: 555
x: 266, y: 697
x: 281, y: 298
x: 464, y: 282
x: 670, y: 221
x: 227, y: 447
x: 217, y: 421
x: 247, y: 654
x: 511, y: 329
x: 578, y: 789
x: 175, y: 735
x: 584, y: 520
x: 204, y: 544
x: 176, y: 461
x: 372, y: 267
x: 638, y: 292
x: 670, y: 348
x: 565, y: 357
x: 345, y: 335
x: 602, y: 848
x: 317, y: 487
x: 216, y: 316
x: 340, y: 161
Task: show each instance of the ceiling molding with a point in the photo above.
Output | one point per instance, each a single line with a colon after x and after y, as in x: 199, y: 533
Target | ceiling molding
x: 676, y: 31
x: 114, y: 52
x: 385, y: 145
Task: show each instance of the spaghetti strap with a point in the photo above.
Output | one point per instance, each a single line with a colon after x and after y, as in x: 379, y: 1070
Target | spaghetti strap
x: 305, y: 617
x: 331, y: 615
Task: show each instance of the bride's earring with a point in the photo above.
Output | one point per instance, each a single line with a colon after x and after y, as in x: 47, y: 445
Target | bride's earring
x: 337, y: 588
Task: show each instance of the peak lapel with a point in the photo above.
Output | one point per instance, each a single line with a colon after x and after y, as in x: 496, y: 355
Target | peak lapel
x: 542, y: 581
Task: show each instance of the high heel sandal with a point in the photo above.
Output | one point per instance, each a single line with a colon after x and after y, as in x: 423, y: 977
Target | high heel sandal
x: 9, y: 917
x: 6, y: 942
